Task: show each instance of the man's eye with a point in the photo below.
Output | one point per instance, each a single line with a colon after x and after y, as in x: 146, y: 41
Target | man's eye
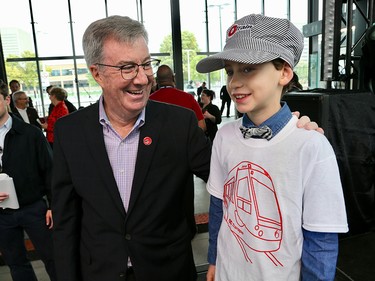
x: 147, y: 65
x: 127, y: 68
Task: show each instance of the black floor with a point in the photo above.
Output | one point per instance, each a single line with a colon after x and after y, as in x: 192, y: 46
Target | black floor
x: 356, y: 259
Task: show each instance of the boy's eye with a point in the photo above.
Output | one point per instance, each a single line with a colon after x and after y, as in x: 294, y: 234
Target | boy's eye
x: 229, y: 72
x: 247, y: 69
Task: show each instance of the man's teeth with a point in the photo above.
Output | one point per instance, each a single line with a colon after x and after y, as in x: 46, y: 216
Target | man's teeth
x: 135, y: 92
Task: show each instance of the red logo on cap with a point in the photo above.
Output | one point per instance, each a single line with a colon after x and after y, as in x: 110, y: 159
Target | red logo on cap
x: 232, y: 30
x: 147, y: 140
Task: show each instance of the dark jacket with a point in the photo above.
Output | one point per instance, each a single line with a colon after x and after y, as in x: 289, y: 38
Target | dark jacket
x: 31, y: 113
x: 93, y: 232
x: 27, y: 158
x: 212, y: 126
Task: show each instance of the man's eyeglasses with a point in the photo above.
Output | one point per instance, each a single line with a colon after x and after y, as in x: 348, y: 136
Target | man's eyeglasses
x: 129, y: 71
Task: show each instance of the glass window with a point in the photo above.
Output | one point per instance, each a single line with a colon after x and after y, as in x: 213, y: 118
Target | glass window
x: 84, y: 13
x: 276, y: 8
x: 220, y: 18
x: 299, y: 19
x: 55, y: 72
x: 16, y: 31
x: 243, y: 8
x: 158, y: 27
x: 52, y: 29
x: 128, y: 8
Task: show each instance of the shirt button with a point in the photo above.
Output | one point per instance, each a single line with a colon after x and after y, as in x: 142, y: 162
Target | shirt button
x: 128, y: 237
x: 122, y: 275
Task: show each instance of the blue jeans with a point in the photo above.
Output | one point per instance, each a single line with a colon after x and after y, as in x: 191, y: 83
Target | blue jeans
x: 13, y: 223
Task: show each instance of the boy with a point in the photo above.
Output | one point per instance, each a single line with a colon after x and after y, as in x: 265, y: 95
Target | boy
x: 276, y: 196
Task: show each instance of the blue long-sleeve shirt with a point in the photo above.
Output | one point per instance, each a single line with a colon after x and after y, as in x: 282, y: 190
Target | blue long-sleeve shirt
x: 319, y: 250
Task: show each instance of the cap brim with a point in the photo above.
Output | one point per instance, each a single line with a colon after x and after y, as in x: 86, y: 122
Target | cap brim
x: 216, y: 61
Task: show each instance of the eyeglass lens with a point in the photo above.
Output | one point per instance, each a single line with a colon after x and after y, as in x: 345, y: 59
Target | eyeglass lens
x: 131, y: 71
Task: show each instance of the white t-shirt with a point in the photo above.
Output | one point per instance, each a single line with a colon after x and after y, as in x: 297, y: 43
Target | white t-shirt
x: 270, y: 190
x: 23, y: 113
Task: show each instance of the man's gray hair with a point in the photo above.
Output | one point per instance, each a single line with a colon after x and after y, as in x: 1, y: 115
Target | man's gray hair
x: 122, y: 29
x: 17, y: 95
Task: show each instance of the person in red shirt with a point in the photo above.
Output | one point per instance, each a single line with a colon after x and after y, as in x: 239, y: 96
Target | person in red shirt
x: 168, y: 93
x: 57, y: 96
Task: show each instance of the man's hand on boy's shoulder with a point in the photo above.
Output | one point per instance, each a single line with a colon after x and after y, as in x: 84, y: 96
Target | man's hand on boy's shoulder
x: 306, y: 123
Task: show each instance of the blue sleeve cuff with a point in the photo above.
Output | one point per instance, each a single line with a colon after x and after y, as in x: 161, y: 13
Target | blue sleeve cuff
x: 319, y: 256
x: 214, y: 222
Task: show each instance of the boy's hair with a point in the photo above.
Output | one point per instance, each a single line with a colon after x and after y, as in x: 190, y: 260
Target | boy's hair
x: 256, y: 39
x: 4, y: 91
x: 279, y: 64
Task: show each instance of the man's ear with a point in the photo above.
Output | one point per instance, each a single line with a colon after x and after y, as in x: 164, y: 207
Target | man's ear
x: 94, y: 69
x: 7, y: 100
x: 286, y: 75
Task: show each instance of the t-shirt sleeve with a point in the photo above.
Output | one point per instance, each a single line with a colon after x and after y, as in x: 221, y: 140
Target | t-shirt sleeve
x: 215, y: 183
x: 323, y: 200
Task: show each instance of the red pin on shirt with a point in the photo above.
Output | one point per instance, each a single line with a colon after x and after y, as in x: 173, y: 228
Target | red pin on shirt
x: 147, y: 140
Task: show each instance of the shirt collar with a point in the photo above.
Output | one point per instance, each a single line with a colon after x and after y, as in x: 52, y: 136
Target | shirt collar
x: 8, y: 124
x: 103, y: 118
x: 276, y: 122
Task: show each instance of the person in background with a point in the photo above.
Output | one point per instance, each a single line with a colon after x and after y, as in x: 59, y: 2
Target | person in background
x: 167, y: 92
x: 211, y: 113
x: 225, y: 100
x: 277, y: 203
x: 23, y: 111
x: 199, y: 91
x: 57, y: 96
x: 15, y: 86
x: 69, y: 105
x: 26, y: 157
x: 190, y: 88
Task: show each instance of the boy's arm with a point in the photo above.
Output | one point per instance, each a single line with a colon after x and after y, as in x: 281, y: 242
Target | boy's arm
x: 319, y: 255
x: 215, y: 218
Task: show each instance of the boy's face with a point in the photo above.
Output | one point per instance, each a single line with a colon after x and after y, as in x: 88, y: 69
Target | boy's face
x: 256, y: 88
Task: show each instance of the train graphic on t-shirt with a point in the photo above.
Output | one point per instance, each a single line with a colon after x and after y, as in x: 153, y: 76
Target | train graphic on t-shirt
x: 252, y: 211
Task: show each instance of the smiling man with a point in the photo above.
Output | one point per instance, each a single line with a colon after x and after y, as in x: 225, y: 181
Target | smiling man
x: 122, y: 208
x: 22, y: 109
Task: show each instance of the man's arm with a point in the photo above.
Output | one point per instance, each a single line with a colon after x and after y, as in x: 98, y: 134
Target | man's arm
x: 66, y: 210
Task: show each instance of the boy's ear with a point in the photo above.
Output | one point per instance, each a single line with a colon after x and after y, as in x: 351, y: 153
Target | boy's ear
x: 286, y: 75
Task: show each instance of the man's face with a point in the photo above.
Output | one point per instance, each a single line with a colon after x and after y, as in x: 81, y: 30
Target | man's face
x: 123, y: 99
x: 14, y: 87
x: 22, y: 102
x: 3, y: 108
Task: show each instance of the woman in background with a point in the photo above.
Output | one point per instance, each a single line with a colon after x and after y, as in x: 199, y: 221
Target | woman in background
x: 57, y: 96
x: 211, y: 113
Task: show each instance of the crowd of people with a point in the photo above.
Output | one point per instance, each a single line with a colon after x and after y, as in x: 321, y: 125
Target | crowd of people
x: 116, y: 198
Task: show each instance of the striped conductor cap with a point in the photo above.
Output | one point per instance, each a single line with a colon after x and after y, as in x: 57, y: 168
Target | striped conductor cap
x: 256, y: 39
